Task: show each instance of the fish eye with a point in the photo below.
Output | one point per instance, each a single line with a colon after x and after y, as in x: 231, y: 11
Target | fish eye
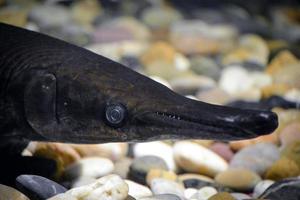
x: 115, y: 114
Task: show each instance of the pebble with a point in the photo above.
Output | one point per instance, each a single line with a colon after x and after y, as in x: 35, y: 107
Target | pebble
x: 142, y: 165
x: 193, y: 157
x: 81, y: 181
x: 137, y: 190
x: 290, y: 134
x: 251, y: 49
x: 160, y: 18
x: 92, y: 167
x: 110, y: 187
x: 63, y: 197
x: 238, y: 179
x: 189, y: 192
x: 223, y: 150
x: 240, y: 196
x: 283, y: 168
x: 239, y: 145
x: 163, y: 186
x: 63, y: 154
x: 205, y: 193
x: 162, y: 60
x: 199, y: 37
x: 292, y: 152
x: 159, y: 149
x: 222, y: 196
x: 138, y: 30
x: 9, y: 193
x: 282, y: 59
x: 261, y: 187
x: 286, y: 189
x: 214, y: 96
x: 112, y: 151
x: 205, y: 66
x: 37, y: 187
x: 85, y: 12
x: 195, y: 180
x: 160, y: 173
x: 191, y: 83
x: 14, y: 16
x: 162, y: 197
x: 257, y: 158
x: 122, y: 167
x: 43, y: 16
x: 236, y: 79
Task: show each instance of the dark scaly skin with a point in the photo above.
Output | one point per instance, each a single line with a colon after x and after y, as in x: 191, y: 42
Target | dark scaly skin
x: 55, y: 91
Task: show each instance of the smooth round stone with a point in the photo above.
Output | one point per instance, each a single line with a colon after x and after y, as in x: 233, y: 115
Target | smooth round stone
x: 214, y: 96
x: 199, y: 37
x: 134, y: 28
x: 137, y: 190
x: 205, y: 66
x: 142, y: 165
x: 251, y: 49
x: 162, y: 197
x: 107, y: 187
x: 14, y: 16
x: 195, y: 180
x: 43, y: 15
x: 62, y: 154
x: 238, y: 179
x: 292, y: 152
x: 159, y: 173
x: 159, y: 17
x: 9, y: 193
x: 63, y: 197
x: 162, y: 60
x: 261, y: 187
x: 112, y: 151
x: 191, y: 83
x: 163, y: 186
x: 290, y: 134
x: 240, y: 196
x: 193, y: 157
x: 82, y: 181
x: 159, y: 149
x: 85, y: 12
x: 258, y: 157
x: 283, y: 168
x: 285, y: 189
x: 293, y: 95
x: 116, y: 50
x: 205, y: 193
x: 239, y: 145
x: 223, y: 150
x: 222, y: 196
x: 122, y: 167
x: 92, y: 167
x: 243, y: 80
x: 282, y: 59
x: 37, y: 187
x: 190, y: 192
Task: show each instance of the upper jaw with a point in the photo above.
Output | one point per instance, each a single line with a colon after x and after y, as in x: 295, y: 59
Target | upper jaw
x: 223, y: 123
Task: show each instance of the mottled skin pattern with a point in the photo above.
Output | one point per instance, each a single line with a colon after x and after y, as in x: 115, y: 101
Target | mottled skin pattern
x: 54, y: 91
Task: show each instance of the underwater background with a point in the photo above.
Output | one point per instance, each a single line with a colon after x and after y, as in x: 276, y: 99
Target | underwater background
x: 244, y: 54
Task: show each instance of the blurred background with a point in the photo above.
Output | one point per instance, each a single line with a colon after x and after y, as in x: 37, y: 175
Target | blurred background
x: 238, y: 53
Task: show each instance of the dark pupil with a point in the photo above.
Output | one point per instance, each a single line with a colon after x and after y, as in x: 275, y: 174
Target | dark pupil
x: 115, y: 114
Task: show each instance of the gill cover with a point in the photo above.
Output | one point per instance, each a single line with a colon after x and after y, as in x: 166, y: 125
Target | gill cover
x: 40, y: 103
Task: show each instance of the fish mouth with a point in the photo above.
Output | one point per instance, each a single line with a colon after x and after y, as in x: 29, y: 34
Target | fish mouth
x: 222, y: 123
